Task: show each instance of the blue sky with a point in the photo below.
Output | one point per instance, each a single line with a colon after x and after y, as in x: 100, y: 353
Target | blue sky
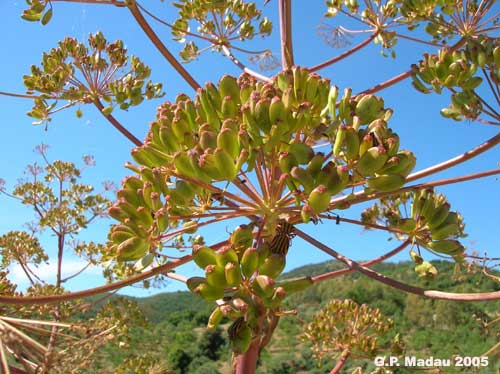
x: 416, y: 119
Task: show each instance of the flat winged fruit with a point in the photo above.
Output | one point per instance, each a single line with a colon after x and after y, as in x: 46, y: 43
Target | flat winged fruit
x: 233, y: 274
x: 263, y: 286
x: 240, y: 336
x: 194, y: 282
x: 214, y: 319
x: 209, y: 293
x: 319, y: 199
x: 132, y: 249
x: 295, y: 284
x: 302, y: 152
x: 386, y: 182
x: 273, y: 265
x: 439, y: 216
x: 203, y: 256
x: 372, y: 161
x: 249, y: 262
x: 215, y: 276
x: 447, y: 246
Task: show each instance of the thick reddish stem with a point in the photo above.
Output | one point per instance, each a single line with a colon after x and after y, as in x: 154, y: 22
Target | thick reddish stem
x: 161, y: 47
x: 246, y: 363
x: 340, y: 363
x: 117, y: 125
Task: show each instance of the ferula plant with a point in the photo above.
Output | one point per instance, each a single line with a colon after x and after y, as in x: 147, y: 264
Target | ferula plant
x: 266, y: 157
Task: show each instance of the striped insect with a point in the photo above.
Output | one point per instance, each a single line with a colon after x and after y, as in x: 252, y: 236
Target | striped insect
x: 282, y: 239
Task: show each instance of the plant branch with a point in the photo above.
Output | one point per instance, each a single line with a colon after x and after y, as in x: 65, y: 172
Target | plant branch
x: 340, y: 363
x: 243, y: 67
x: 161, y: 47
x: 481, y: 148
x: 345, y: 54
x: 117, y: 125
x: 362, y: 196
x: 285, y: 17
x: 338, y: 273
x: 395, y: 283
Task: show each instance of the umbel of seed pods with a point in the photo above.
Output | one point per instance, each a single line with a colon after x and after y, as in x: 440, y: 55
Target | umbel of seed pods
x: 229, y: 128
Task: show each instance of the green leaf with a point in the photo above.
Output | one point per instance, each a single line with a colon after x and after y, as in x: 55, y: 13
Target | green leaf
x: 47, y: 17
x: 107, y: 110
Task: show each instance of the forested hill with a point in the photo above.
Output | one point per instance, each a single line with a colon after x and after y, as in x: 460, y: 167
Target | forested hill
x: 176, y: 338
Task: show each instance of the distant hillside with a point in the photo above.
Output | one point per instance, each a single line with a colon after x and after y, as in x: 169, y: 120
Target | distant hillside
x: 177, y: 338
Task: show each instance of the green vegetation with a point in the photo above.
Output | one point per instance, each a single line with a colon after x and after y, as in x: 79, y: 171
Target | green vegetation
x: 177, y: 338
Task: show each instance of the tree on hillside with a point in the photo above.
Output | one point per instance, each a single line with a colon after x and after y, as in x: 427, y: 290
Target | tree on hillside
x: 270, y: 156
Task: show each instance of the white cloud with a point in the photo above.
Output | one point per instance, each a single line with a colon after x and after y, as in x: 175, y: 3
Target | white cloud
x: 48, y: 271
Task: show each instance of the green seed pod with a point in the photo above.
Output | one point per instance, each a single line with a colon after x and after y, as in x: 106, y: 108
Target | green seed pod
x: 275, y: 301
x: 215, y: 276
x: 117, y: 213
x: 273, y: 265
x: 180, y: 127
x: 229, y: 312
x: 262, y: 115
x: 229, y: 141
x: 144, y: 216
x: 386, y: 182
x: 372, y: 161
x: 194, y: 282
x: 228, y: 86
x: 132, y: 183
x: 277, y: 111
x: 209, y: 293
x: 369, y: 108
x: 306, y: 213
x: 392, y: 145
x: 296, y: 284
x: 339, y: 140
x: 283, y: 80
x: 233, y: 274
x: 130, y: 196
x: 302, y: 152
x: 240, y: 304
x: 426, y: 270
x: 183, y: 165
x: 161, y: 217
x: 226, y: 255
x: 208, y: 139
x: 365, y: 145
x: 446, y: 246
x: 204, y: 256
x: 407, y: 225
x: 207, y: 164
x: 168, y: 139
x: 132, y: 249
x: 303, y: 177
x: 287, y: 161
x: 229, y: 108
x: 352, y: 143
x: 240, y: 336
x: 249, y: 262
x: 139, y: 230
x: 214, y: 319
x: 263, y: 286
x: 143, y: 157
x: 314, y: 166
x: 225, y: 164
x: 242, y: 236
x: 439, y: 216
x: 319, y: 199
x: 444, y: 231
x: 119, y: 236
